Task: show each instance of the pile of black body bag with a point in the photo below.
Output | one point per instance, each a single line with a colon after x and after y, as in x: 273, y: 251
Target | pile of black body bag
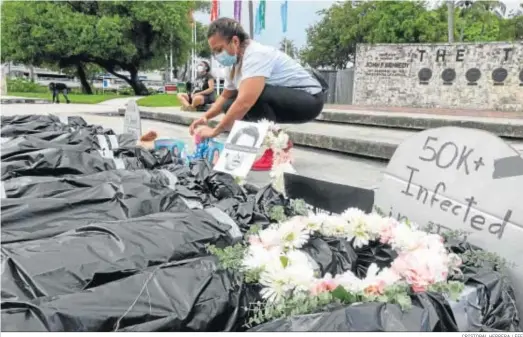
x: 101, y: 235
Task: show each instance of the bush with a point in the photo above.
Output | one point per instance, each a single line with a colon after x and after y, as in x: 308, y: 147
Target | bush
x: 22, y: 85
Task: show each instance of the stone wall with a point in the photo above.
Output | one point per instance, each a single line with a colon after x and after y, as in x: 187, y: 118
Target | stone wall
x: 469, y: 76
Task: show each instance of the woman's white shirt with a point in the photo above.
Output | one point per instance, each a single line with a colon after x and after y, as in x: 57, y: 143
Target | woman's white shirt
x: 278, y: 68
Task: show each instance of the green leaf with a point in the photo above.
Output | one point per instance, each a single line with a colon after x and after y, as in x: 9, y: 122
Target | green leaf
x: 404, y: 301
x: 455, y: 289
x: 342, y: 294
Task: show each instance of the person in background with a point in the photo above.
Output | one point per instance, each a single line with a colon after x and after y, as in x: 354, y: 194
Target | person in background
x: 202, y: 89
x: 263, y: 83
x: 56, y: 89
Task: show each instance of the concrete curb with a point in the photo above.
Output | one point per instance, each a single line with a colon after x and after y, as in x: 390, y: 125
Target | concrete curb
x: 418, y: 122
x: 24, y: 101
x: 354, y: 146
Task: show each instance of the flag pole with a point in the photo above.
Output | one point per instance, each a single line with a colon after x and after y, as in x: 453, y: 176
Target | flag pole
x: 251, y: 19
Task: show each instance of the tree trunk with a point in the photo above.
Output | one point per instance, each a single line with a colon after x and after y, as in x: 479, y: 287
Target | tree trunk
x: 86, y: 87
x: 139, y: 88
x: 31, y: 73
x: 135, y: 83
x: 450, y: 20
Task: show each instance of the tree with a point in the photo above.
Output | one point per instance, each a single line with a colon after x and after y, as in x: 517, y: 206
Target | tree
x: 484, y: 14
x: 332, y: 41
x: 287, y: 46
x: 512, y: 27
x: 202, y: 46
x: 115, y: 35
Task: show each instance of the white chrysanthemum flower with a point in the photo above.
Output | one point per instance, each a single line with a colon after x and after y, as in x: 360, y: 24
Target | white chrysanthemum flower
x: 277, y: 175
x: 266, y: 121
x: 293, y: 233
x: 281, y: 141
x: 300, y: 269
x: 280, y: 280
x: 258, y: 257
x: 349, y: 281
x: 376, y: 223
x: 388, y: 276
x: 336, y: 226
x: 270, y: 237
x: 315, y: 221
x: 404, y: 238
x: 360, y: 231
x: 352, y: 213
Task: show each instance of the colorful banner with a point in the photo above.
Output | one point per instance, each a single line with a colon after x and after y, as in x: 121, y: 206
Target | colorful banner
x: 238, y: 10
x: 214, y: 10
x: 259, y: 24
x: 283, y: 11
x: 262, y: 13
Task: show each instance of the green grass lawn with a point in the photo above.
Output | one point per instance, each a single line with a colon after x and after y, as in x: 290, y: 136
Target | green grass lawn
x: 159, y: 100
x: 74, y: 98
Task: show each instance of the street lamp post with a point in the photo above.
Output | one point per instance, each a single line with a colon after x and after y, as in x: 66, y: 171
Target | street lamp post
x: 450, y: 20
x: 251, y: 21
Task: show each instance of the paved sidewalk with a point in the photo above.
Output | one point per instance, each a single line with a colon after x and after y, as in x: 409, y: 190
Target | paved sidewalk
x: 428, y: 111
x: 120, y: 102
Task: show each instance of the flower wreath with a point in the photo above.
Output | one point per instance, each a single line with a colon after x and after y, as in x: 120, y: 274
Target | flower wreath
x: 278, y: 141
x: 287, y: 274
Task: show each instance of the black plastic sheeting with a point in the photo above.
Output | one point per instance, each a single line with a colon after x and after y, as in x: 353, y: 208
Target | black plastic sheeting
x: 35, y: 218
x: 365, y: 317
x: 104, y: 252
x: 90, y: 246
x: 59, y: 162
x: 80, y: 140
x: 183, y: 296
x: 46, y: 186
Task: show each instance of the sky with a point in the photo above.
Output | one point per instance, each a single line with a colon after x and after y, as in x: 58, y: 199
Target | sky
x: 301, y: 15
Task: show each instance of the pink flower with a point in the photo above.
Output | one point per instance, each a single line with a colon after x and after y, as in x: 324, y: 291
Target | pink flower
x: 254, y: 240
x: 421, y: 268
x: 387, y: 232
x: 323, y: 285
x: 281, y: 157
x: 375, y: 289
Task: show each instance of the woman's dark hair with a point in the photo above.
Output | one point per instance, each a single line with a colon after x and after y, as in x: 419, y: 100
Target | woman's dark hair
x: 207, y: 66
x: 251, y: 131
x: 227, y: 28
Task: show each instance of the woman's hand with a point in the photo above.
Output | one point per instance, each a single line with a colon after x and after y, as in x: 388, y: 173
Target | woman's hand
x: 207, y: 132
x: 200, y: 121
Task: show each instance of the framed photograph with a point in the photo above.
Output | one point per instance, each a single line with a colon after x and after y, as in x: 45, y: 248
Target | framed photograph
x: 177, y: 147
x: 241, y: 149
x: 214, y: 152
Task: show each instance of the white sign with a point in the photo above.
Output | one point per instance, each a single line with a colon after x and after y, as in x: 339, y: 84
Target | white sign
x: 460, y: 179
x: 132, y: 121
x: 105, y: 83
x: 241, y: 148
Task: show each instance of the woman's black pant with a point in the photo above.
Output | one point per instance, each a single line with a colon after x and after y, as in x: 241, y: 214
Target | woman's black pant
x: 283, y: 105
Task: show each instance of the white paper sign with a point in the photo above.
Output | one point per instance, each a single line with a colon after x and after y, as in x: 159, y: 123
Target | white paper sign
x: 132, y: 121
x: 241, y: 148
x: 461, y: 179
